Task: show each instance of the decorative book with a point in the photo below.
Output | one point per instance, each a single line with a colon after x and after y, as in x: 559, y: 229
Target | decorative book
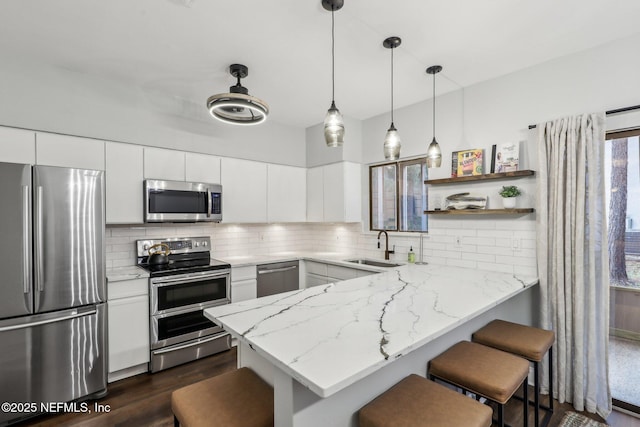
x: 469, y: 162
x: 507, y: 157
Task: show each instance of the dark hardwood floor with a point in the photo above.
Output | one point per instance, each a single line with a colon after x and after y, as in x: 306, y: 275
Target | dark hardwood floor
x: 144, y: 400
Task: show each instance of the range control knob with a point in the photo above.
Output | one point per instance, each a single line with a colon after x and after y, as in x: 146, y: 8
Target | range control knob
x: 145, y: 247
x: 197, y: 244
x: 204, y: 244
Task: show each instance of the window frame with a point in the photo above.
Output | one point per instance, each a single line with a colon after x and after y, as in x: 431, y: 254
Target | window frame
x: 399, y: 181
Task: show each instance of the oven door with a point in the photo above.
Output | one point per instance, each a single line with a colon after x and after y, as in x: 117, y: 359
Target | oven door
x: 172, y: 294
x: 174, y: 328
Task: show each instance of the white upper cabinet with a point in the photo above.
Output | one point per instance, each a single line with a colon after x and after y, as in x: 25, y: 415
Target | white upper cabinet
x: 286, y: 193
x: 69, y: 151
x: 315, y: 194
x: 160, y: 163
x: 17, y: 145
x: 244, y: 191
x: 333, y: 193
x: 202, y: 168
x: 124, y: 177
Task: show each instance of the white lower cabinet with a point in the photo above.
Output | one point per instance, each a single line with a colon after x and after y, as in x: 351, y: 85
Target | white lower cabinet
x: 128, y: 308
x: 320, y: 273
x: 244, y: 283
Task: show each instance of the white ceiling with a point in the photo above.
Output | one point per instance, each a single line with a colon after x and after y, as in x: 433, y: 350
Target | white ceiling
x: 183, y: 47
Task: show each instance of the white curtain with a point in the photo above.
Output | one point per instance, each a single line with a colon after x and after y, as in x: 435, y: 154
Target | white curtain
x: 573, y: 259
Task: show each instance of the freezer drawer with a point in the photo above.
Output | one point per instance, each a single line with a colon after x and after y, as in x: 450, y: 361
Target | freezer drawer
x: 53, y: 357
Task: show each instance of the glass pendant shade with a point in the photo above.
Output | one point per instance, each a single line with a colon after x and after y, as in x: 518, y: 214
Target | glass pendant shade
x: 333, y: 127
x: 392, y: 144
x: 434, y: 155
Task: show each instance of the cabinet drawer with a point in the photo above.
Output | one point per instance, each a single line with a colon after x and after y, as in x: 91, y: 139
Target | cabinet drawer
x: 315, y: 280
x: 128, y: 288
x: 243, y: 290
x: 316, y: 268
x: 342, y: 273
x: 243, y: 273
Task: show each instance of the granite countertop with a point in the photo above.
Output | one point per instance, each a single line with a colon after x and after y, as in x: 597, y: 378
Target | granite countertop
x: 132, y: 272
x: 330, y: 336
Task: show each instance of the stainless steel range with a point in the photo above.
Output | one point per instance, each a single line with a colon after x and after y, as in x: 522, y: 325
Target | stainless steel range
x: 181, y: 286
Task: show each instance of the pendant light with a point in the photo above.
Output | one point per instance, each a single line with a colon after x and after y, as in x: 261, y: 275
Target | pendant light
x: 392, y: 139
x: 333, y: 122
x: 434, y: 155
x: 238, y: 107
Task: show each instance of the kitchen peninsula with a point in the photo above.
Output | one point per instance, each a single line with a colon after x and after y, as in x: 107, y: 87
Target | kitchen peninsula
x: 330, y: 349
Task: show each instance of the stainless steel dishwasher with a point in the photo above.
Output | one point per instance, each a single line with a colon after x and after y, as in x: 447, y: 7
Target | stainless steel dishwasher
x: 278, y: 277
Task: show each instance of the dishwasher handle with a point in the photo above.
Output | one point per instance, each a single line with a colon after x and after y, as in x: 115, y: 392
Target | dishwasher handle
x: 277, y: 270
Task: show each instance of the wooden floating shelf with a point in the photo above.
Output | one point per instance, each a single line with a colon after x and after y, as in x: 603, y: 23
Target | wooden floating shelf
x: 481, y: 211
x: 488, y: 176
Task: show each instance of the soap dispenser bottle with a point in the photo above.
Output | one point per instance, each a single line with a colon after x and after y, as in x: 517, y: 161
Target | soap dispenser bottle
x: 411, y: 255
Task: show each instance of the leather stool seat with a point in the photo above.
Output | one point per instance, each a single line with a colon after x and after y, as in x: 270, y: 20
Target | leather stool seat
x: 237, y: 398
x: 530, y: 343
x: 416, y: 401
x: 485, y: 371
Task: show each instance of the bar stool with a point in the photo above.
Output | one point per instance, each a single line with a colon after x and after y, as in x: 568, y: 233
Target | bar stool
x: 237, y: 398
x: 484, y: 371
x: 529, y: 343
x: 415, y: 401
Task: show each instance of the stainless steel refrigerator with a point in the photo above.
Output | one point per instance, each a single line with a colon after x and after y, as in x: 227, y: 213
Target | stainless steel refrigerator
x: 52, y: 287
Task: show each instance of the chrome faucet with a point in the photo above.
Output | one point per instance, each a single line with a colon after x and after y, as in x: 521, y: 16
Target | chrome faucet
x: 386, y: 244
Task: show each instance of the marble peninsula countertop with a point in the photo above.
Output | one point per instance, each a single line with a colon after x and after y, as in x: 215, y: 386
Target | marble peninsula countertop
x: 329, y: 336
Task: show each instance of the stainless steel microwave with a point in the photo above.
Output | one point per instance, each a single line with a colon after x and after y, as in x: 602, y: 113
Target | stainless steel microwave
x: 177, y: 201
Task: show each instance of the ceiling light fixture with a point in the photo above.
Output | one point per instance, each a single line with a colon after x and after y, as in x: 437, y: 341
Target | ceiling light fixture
x: 333, y: 122
x: 392, y: 139
x: 434, y: 155
x: 238, y: 107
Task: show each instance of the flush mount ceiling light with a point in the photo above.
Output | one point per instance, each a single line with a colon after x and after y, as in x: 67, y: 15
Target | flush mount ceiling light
x: 434, y: 155
x: 333, y: 122
x: 392, y: 139
x: 238, y: 107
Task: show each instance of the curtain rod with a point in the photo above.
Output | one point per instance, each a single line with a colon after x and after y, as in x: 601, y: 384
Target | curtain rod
x: 616, y: 111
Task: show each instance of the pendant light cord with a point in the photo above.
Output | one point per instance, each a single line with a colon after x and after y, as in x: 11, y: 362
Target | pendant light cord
x: 434, y: 106
x: 333, y: 58
x: 392, y: 85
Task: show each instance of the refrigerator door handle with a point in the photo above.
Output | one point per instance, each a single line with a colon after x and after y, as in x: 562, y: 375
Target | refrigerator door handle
x: 26, y: 249
x: 74, y: 314
x: 39, y: 242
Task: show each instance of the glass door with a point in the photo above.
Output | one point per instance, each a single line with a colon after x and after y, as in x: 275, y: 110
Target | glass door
x: 622, y: 184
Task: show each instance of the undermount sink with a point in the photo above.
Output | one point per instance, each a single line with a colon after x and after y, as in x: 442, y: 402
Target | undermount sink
x: 374, y: 263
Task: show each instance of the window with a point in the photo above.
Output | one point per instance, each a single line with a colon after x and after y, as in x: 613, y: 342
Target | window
x: 398, y: 196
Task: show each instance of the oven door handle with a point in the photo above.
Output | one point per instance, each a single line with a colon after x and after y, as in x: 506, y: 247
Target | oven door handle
x: 187, y: 278
x: 188, y: 345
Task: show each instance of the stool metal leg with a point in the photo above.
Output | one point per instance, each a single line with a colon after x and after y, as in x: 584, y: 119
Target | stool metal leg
x: 176, y: 423
x: 525, y: 403
x: 536, y: 393
x: 501, y: 415
x: 551, y: 379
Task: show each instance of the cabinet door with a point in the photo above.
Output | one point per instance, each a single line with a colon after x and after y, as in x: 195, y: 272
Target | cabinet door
x: 315, y: 194
x: 164, y: 164
x: 315, y: 280
x: 244, y: 194
x: 128, y: 332
x: 124, y: 165
x: 352, y: 185
x: 333, y: 182
x: 69, y: 151
x: 286, y: 193
x: 202, y: 168
x: 17, y: 146
x: 243, y: 290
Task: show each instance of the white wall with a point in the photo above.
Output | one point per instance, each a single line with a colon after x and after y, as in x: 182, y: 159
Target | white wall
x: 41, y: 97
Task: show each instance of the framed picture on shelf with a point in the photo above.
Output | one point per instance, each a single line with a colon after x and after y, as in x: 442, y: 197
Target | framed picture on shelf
x: 507, y: 157
x: 470, y: 162
x: 454, y: 164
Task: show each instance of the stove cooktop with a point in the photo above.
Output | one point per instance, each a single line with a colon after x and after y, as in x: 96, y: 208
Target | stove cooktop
x: 188, y: 255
